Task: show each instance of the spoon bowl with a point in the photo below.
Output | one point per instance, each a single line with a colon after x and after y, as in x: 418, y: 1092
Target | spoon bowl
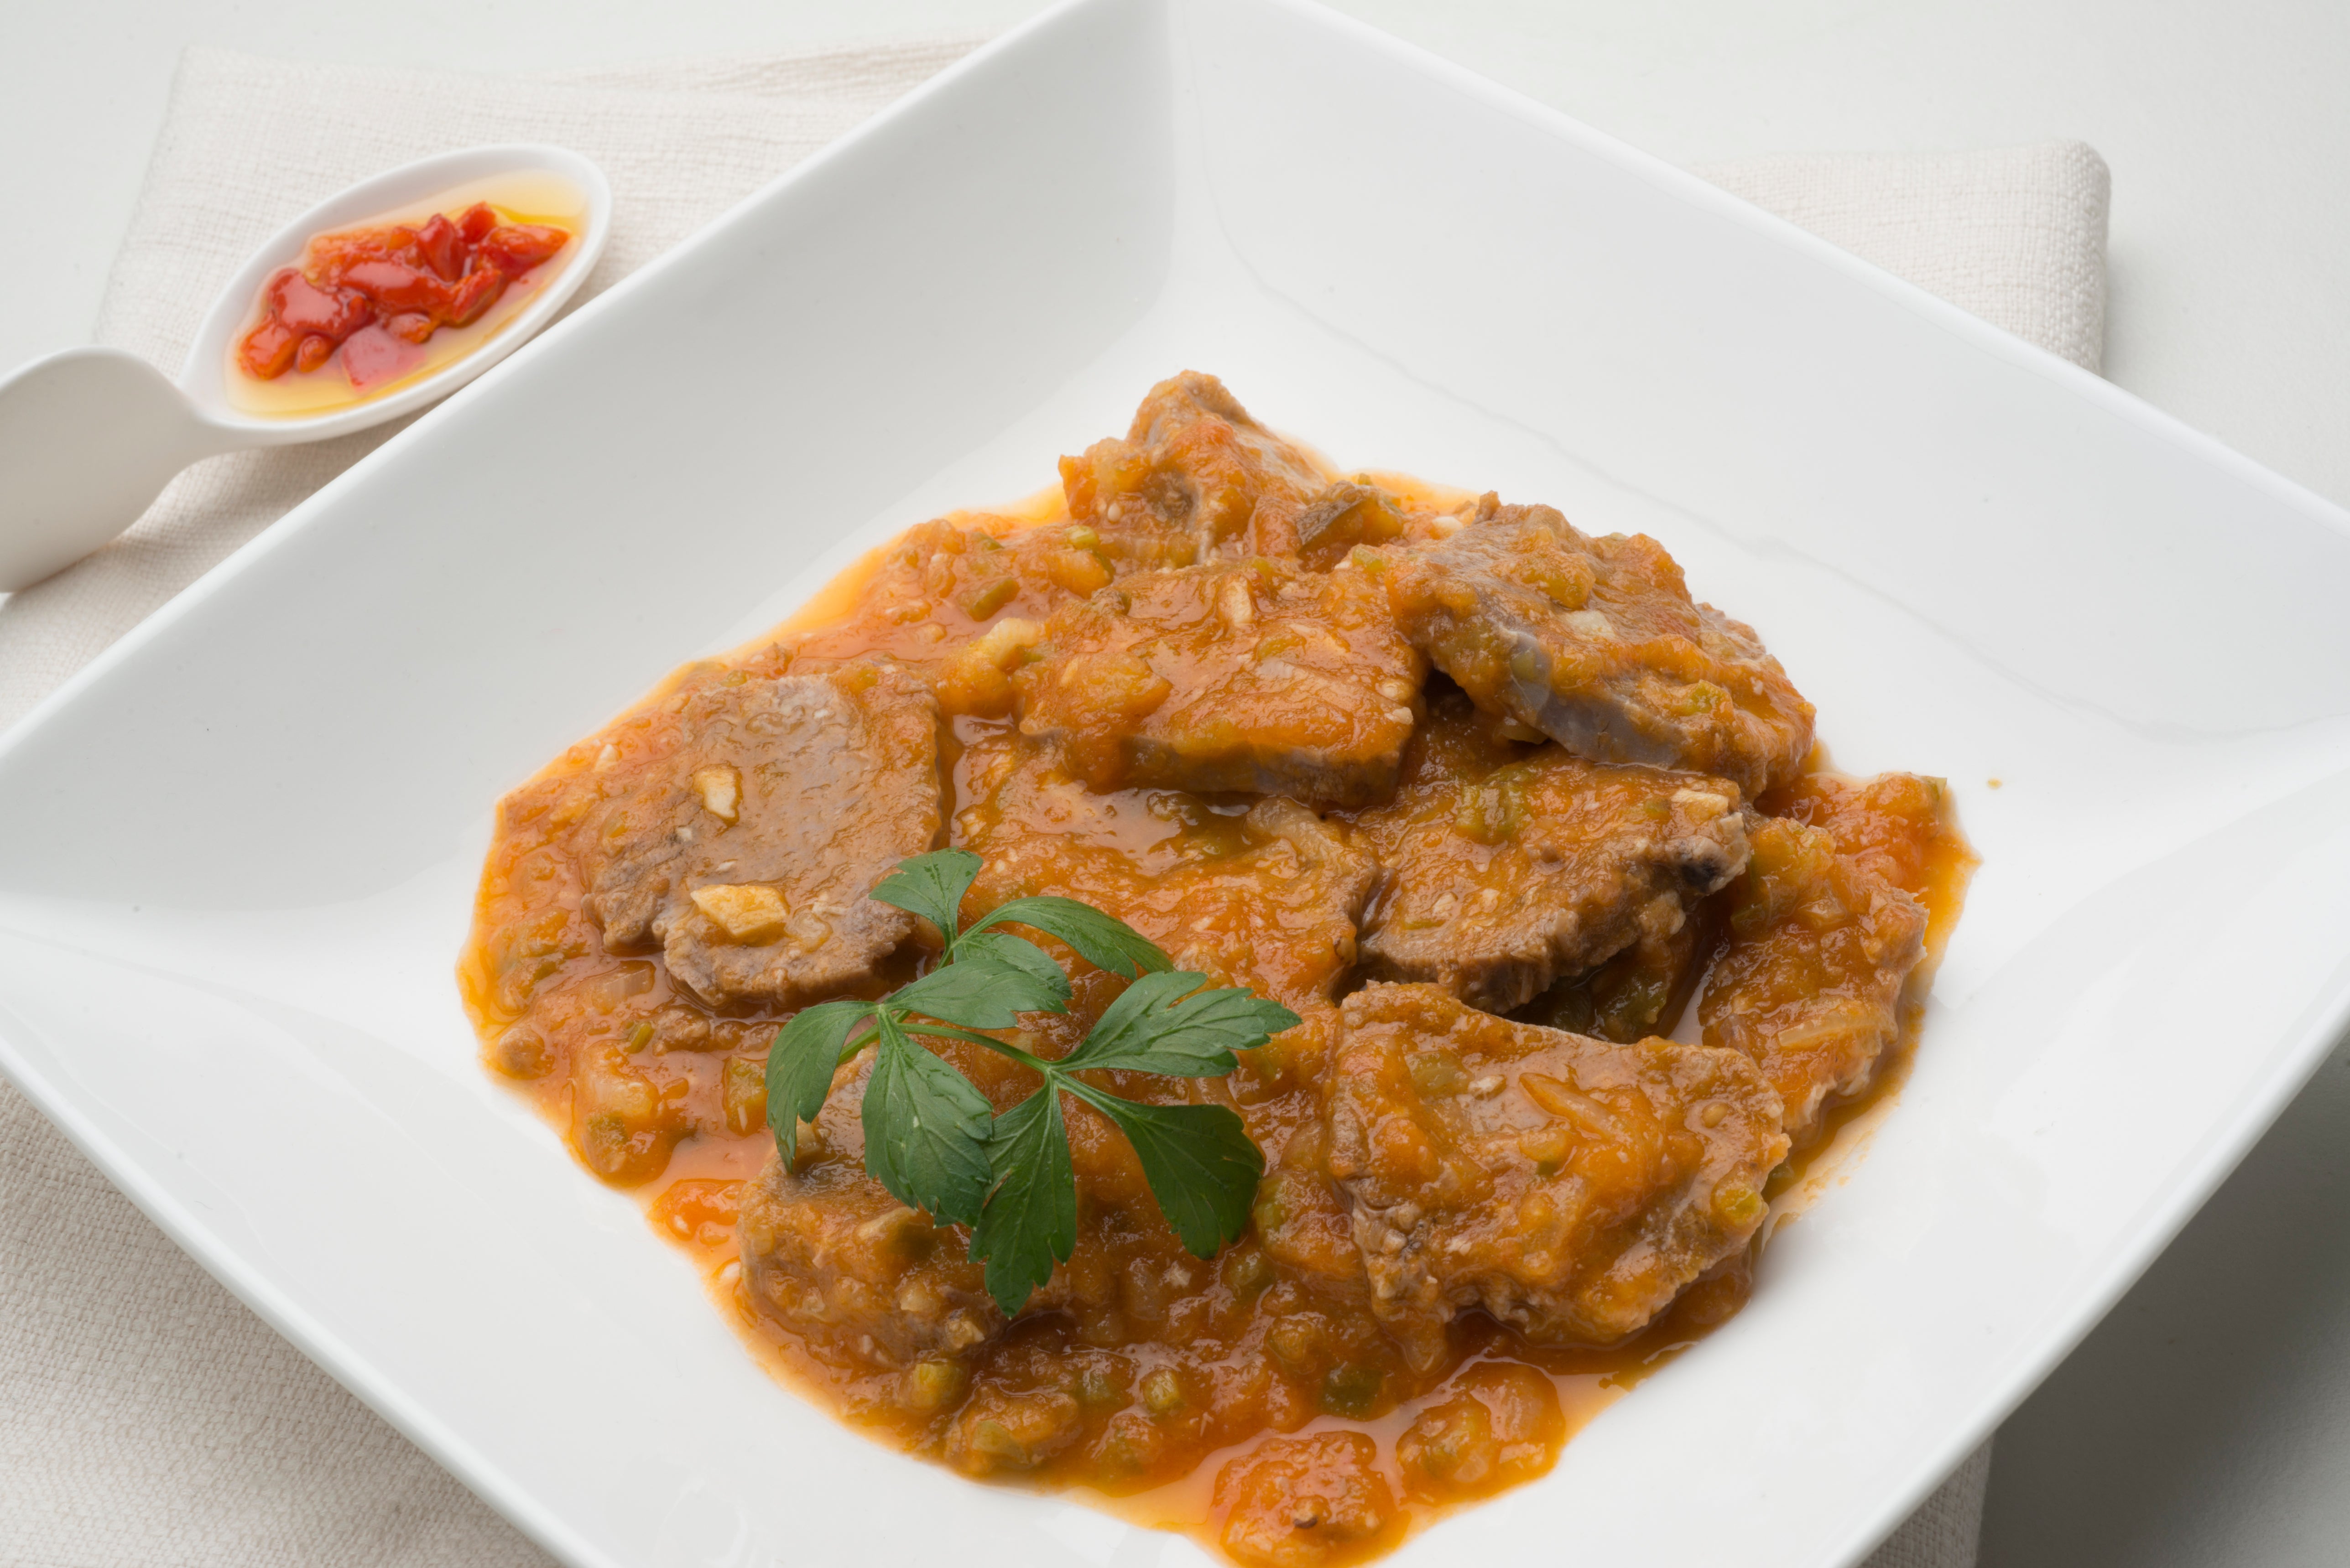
x: 90, y: 436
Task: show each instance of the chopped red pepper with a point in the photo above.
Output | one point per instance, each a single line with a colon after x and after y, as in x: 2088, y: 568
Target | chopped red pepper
x: 443, y: 248
x: 300, y: 309
x: 476, y: 294
x: 515, y: 248
x: 413, y: 325
x: 329, y: 256
x: 268, y: 350
x: 306, y: 307
x: 391, y: 286
x: 414, y: 281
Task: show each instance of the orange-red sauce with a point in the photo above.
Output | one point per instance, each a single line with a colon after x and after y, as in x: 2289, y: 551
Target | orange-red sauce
x: 541, y: 990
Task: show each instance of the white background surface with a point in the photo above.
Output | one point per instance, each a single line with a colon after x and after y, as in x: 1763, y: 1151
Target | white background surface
x: 2210, y: 1419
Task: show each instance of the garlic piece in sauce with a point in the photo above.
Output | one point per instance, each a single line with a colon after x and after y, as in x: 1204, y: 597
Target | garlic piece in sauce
x: 721, y: 789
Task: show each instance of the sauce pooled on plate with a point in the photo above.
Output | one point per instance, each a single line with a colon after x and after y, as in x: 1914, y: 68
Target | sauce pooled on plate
x: 1588, y: 954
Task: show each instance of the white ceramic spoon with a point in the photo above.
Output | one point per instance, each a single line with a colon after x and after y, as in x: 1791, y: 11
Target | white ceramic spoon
x: 90, y: 436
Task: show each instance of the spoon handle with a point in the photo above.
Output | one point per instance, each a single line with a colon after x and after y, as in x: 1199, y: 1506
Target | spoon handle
x: 87, y: 439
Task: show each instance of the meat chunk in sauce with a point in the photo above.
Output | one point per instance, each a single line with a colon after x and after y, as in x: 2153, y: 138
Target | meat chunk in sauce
x: 745, y: 852
x: 1596, y: 643
x: 1150, y: 705
x: 1362, y: 512
x: 1261, y: 893
x: 960, y: 573
x: 868, y: 1283
x: 966, y: 597
x: 1506, y: 866
x: 1343, y: 516
x: 1256, y: 677
x: 1565, y: 1186
x: 1825, y: 930
x: 879, y: 1288
x: 1640, y: 991
x: 1195, y: 467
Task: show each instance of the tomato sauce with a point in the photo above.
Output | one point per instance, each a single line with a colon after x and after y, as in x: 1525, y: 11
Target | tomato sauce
x: 1223, y: 1399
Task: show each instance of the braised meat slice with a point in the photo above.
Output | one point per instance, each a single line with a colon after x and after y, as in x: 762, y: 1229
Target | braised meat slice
x: 964, y: 597
x: 1640, y: 991
x: 827, y: 1253
x: 1505, y: 867
x: 1825, y: 930
x: 1363, y: 510
x: 1344, y: 515
x: 1596, y: 643
x: 1256, y: 677
x: 964, y: 571
x: 745, y: 852
x: 863, y: 1279
x: 1195, y: 468
x: 1564, y: 1185
x: 1261, y: 893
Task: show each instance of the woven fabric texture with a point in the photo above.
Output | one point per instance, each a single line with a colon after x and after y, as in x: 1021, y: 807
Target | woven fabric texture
x: 145, y: 1415
x: 2015, y: 234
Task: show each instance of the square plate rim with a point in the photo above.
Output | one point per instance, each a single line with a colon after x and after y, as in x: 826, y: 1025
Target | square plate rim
x: 2108, y: 395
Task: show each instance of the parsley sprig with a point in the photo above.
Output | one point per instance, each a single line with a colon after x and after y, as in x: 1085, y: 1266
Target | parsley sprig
x: 936, y: 1143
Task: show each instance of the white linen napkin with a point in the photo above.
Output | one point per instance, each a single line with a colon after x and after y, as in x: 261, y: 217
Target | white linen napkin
x: 2015, y: 234
x: 145, y: 1414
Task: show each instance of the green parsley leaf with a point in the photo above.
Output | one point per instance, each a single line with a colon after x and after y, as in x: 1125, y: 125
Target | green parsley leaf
x: 1021, y: 953
x: 931, y: 1137
x: 1166, y: 1023
x: 800, y: 1065
x: 932, y: 887
x: 1031, y: 1219
x: 1103, y: 941
x: 987, y: 987
x: 926, y: 1128
x: 1200, y: 1163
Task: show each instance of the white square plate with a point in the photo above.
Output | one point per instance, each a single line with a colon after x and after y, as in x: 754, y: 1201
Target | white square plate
x: 241, y: 846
